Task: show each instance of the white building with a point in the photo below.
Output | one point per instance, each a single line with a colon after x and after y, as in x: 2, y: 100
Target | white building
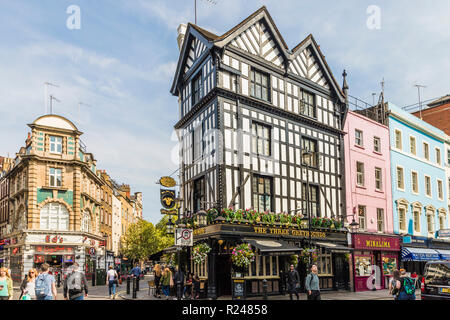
x: 116, y: 224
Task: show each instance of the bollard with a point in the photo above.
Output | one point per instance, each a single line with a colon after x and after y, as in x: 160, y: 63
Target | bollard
x: 128, y: 284
x: 265, y: 289
x: 59, y: 280
x: 137, y: 284
x: 134, y: 288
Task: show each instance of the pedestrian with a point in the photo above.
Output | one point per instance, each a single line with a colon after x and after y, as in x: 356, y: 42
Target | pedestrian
x: 6, y: 285
x: 293, y: 279
x: 45, y: 288
x: 178, y: 280
x: 188, y: 287
x: 158, y: 274
x: 196, y: 284
x: 312, y: 284
x: 165, y: 282
x: 75, y: 284
x: 136, y: 271
x: 113, y: 280
x: 407, y: 290
x: 393, y: 291
x: 27, y: 287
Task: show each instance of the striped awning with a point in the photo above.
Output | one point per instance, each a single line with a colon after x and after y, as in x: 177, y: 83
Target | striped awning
x: 445, y: 254
x: 419, y: 254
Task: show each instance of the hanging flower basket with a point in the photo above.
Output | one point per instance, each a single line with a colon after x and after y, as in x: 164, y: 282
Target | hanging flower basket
x: 200, y: 252
x: 242, y: 255
x: 294, y: 260
x: 304, y: 255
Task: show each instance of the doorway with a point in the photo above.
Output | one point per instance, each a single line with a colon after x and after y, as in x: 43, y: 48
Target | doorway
x: 223, y: 275
x: 341, y: 271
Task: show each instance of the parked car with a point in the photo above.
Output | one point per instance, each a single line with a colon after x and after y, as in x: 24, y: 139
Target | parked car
x: 436, y: 285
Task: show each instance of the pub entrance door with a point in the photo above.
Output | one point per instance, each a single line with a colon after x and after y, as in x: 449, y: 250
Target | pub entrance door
x: 341, y: 272
x: 223, y: 275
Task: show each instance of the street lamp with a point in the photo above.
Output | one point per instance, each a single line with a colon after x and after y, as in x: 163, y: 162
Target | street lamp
x: 354, y: 226
x: 106, y: 240
x: 169, y: 226
x: 306, y: 161
x: 201, y: 217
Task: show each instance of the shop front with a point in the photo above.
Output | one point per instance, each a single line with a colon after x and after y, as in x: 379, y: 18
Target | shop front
x: 275, y: 247
x: 375, y: 258
x: 416, y: 253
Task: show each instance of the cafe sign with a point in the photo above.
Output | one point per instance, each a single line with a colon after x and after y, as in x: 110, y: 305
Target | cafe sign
x: 371, y: 242
x: 53, y: 250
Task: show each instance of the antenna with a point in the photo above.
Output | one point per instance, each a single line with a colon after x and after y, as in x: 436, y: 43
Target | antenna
x: 195, y: 7
x: 418, y: 86
x: 51, y: 103
x: 373, y: 97
x: 46, y: 84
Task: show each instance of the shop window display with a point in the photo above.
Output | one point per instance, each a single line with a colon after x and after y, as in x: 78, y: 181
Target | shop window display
x: 363, y: 266
x: 389, y: 265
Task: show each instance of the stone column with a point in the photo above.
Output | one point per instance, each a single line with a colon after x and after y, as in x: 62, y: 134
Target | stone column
x: 76, y: 217
x: 33, y: 211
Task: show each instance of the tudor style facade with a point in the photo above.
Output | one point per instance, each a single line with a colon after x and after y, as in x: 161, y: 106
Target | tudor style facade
x: 248, y: 106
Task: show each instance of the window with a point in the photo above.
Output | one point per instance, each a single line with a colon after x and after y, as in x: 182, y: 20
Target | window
x: 262, y: 193
x: 362, y: 217
x: 360, y: 174
x: 358, y: 137
x: 412, y: 145
x: 196, y: 87
x: 324, y: 262
x: 438, y: 156
x: 416, y: 220
x: 86, y: 222
x: 441, y: 222
x: 380, y: 220
x: 261, y: 139
x: 198, y: 142
x: 414, y: 182
x: 398, y: 139
x: 378, y: 179
x: 376, y: 144
x: 430, y: 222
x: 311, y: 146
x: 55, y: 144
x: 400, y: 179
x: 199, y: 194
x: 363, y: 266
x: 307, y: 106
x: 259, y: 85
x: 264, y: 266
x: 426, y: 151
x: 402, y: 219
x: 428, y: 186
x: 54, y: 216
x: 313, y: 200
x: 440, y: 190
x: 55, y: 177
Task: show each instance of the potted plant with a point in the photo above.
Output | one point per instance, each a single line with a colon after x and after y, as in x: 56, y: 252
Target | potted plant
x: 200, y: 252
x: 241, y: 257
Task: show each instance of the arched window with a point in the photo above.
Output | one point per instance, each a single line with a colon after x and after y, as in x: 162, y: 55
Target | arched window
x: 86, y: 222
x: 54, y: 216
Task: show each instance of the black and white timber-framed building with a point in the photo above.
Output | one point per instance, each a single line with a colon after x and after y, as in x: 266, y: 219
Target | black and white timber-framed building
x: 248, y: 105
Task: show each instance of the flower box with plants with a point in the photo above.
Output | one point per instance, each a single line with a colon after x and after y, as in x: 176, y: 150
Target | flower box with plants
x: 305, y: 253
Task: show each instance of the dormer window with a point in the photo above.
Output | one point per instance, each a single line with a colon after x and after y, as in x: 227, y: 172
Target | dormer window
x: 55, y: 144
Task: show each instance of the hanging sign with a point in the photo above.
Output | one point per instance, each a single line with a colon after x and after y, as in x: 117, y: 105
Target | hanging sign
x: 168, y: 199
x: 167, y: 182
x: 92, y: 251
x: 183, y: 237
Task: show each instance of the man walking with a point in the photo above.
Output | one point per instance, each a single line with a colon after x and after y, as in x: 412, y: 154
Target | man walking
x: 293, y: 282
x: 178, y: 279
x: 136, y: 271
x: 312, y: 284
x: 45, y: 288
x: 75, y: 284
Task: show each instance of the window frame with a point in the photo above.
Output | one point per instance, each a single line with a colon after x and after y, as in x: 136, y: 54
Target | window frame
x: 437, y: 153
x: 379, y: 180
x: 360, y: 175
x: 415, y: 145
x: 254, y: 84
x: 380, y: 220
x: 308, y: 106
x: 362, y: 219
x: 428, y: 178
x: 403, y: 178
x: 361, y: 138
x: 196, y: 92
x: 378, y: 144
x: 416, y: 181
x: 268, y: 196
x: 256, y: 138
x: 403, y: 220
x: 398, y: 131
x: 416, y: 222
x: 55, y: 144
x: 427, y: 149
x: 310, y: 142
x: 55, y: 177
x: 440, y: 191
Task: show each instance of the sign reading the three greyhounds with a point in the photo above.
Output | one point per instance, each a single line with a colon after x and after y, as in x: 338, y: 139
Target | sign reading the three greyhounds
x: 168, y: 199
x: 184, y: 237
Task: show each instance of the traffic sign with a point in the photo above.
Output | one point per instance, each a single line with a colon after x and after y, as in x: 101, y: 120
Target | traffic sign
x: 92, y: 251
x: 184, y: 237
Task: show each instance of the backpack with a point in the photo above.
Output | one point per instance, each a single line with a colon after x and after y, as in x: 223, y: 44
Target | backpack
x: 74, y: 282
x: 42, y: 287
x: 408, y: 286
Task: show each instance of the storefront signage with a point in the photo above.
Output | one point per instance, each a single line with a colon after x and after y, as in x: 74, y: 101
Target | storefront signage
x: 167, y: 182
x: 54, y: 250
x: 444, y: 233
x: 290, y: 232
x: 168, y: 199
x: 171, y: 212
x: 370, y: 242
x: 53, y: 239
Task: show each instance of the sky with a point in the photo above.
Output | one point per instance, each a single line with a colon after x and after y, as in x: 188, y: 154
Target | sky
x: 121, y: 60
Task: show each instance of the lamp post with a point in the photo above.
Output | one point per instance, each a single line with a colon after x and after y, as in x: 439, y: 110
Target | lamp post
x: 106, y: 240
x: 306, y: 161
x: 201, y: 217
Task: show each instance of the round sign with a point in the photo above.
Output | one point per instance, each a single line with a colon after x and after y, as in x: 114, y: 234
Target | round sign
x: 92, y: 251
x: 186, y: 234
x: 167, y: 182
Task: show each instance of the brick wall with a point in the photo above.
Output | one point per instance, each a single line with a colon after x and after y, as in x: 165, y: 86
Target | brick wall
x: 437, y: 116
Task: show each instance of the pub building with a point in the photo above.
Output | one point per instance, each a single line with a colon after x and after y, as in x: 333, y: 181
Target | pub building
x: 374, y: 253
x: 260, y: 126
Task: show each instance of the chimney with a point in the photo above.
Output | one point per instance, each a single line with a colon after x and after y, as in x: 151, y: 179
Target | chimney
x: 181, y: 33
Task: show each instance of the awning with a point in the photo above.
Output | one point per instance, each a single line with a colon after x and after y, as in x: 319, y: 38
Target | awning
x: 172, y: 249
x: 274, y: 247
x: 334, y: 247
x: 444, y: 254
x: 419, y: 254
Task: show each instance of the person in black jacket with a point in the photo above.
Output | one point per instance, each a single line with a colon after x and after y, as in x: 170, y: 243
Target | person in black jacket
x: 73, y: 293
x: 293, y: 280
x: 178, y: 280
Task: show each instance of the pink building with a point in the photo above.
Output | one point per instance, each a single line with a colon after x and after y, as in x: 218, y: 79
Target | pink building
x: 369, y: 200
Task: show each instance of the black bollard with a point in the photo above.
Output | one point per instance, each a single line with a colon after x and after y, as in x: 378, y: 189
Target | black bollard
x: 134, y: 288
x: 59, y: 280
x: 265, y: 289
x: 128, y: 284
x: 137, y: 283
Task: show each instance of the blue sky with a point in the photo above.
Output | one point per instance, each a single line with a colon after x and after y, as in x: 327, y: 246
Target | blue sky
x: 122, y: 60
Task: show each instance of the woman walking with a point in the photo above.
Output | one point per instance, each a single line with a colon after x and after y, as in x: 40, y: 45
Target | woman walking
x: 165, y: 281
x: 28, y: 286
x: 393, y: 291
x: 6, y: 285
x: 158, y: 275
x: 113, y: 279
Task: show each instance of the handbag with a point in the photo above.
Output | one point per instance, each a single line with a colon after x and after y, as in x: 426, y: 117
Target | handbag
x: 26, y: 297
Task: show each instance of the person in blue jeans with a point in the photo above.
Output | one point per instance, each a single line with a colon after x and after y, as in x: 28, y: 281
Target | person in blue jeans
x: 112, y: 277
x: 406, y: 287
x: 48, y: 282
x: 75, y: 284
